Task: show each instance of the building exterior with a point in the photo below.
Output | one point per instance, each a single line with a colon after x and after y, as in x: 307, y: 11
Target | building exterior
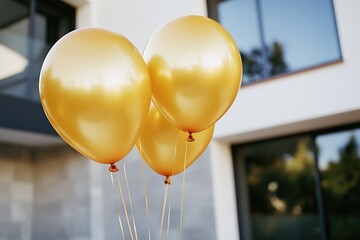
x: 300, y: 107
x: 284, y: 160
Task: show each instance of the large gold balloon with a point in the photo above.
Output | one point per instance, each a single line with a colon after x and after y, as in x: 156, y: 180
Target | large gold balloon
x: 95, y: 90
x: 195, y: 69
x: 163, y: 147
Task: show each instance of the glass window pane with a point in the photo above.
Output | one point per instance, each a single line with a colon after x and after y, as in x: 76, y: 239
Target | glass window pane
x: 25, y: 39
x: 40, y: 44
x: 13, y: 40
x: 299, y: 34
x: 239, y: 18
x: 281, y: 189
x: 339, y: 164
x: 280, y: 36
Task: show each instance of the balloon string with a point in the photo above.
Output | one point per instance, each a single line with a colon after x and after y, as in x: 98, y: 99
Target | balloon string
x: 124, y: 206
x: 163, y: 211
x: 172, y: 174
x: 175, y: 151
x: 145, y: 193
x: 117, y: 207
x: 169, y: 214
x: 130, y: 201
x: 183, y: 191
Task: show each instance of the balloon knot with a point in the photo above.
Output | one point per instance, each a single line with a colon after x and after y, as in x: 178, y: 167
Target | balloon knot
x: 167, y: 181
x: 190, y: 137
x: 113, y: 168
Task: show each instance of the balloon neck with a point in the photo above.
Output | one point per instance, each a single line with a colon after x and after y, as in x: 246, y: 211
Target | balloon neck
x: 113, y: 167
x: 167, y: 181
x: 190, y: 137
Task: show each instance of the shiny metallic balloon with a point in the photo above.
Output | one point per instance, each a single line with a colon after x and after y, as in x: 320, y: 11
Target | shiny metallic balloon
x: 165, y: 148
x: 95, y: 90
x: 195, y: 69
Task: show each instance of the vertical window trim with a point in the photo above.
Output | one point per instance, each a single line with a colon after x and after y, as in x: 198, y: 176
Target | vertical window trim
x: 30, y: 48
x: 243, y: 206
x: 319, y: 193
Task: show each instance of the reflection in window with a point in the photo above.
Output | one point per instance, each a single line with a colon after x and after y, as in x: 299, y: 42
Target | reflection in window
x: 280, y: 36
x: 281, y: 189
x: 12, y: 62
x: 276, y: 181
x: 25, y: 39
x: 13, y: 38
x: 339, y: 163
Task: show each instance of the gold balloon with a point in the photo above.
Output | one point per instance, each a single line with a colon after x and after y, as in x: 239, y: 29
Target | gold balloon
x: 95, y: 90
x: 195, y: 69
x: 163, y: 147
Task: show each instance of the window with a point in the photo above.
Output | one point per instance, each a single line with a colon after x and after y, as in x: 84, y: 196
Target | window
x: 300, y: 187
x: 28, y: 29
x: 280, y: 36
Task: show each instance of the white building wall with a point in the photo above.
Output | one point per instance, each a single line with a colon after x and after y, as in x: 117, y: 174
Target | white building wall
x: 135, y: 19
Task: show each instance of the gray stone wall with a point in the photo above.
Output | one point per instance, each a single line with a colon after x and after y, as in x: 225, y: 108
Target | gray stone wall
x: 16, y: 192
x: 57, y: 194
x: 61, y: 195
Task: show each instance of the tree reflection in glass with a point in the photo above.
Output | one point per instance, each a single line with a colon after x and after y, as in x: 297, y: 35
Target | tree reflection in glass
x: 339, y: 159
x: 281, y: 189
x: 280, y: 36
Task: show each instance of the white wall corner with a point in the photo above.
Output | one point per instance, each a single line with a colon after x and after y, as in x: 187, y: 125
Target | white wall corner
x: 226, y: 217
x: 87, y: 14
x: 76, y: 3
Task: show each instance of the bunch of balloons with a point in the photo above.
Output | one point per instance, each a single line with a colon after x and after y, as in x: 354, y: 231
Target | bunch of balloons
x: 96, y: 88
